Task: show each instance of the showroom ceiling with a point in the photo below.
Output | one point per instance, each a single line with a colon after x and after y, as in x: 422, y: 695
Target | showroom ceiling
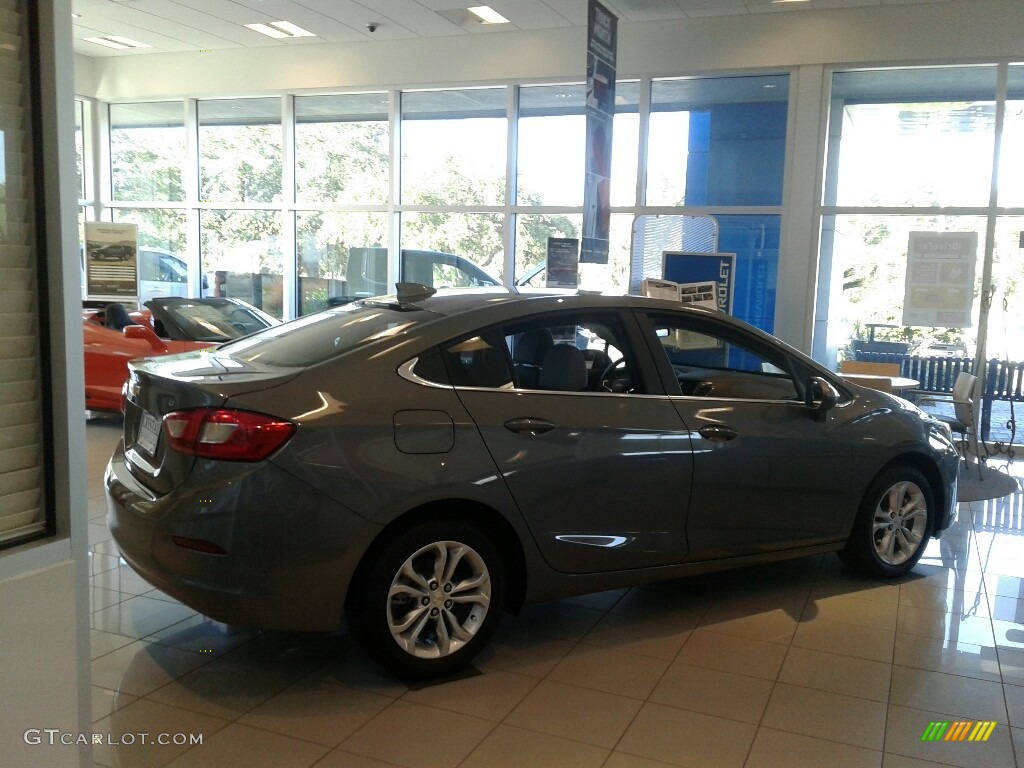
x: 203, y: 25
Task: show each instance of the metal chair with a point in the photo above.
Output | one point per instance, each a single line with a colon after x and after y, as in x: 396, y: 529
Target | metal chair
x: 962, y: 420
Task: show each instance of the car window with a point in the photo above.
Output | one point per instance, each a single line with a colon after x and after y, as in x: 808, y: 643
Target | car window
x: 711, y: 360
x: 582, y: 352
x: 172, y: 270
x: 451, y: 276
x: 478, y: 360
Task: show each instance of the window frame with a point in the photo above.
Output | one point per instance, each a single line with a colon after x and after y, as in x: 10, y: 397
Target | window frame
x: 798, y: 371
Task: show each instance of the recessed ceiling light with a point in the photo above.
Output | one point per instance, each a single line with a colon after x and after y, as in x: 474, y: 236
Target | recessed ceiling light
x: 116, y: 41
x: 487, y: 15
x: 76, y: 15
x: 281, y: 29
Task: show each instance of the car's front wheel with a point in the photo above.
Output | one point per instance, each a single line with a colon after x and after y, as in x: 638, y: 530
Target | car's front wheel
x: 892, y: 528
x: 431, y: 600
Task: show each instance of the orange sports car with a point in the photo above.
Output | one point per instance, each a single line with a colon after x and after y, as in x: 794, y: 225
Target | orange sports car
x: 163, y: 326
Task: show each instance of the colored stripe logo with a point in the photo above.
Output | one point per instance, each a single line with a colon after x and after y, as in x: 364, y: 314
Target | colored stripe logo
x: 959, y: 730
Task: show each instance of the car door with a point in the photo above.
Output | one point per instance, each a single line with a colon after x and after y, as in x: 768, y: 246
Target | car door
x: 767, y: 475
x: 601, y: 477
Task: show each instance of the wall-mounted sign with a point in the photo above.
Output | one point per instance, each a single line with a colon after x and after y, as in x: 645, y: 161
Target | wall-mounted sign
x: 111, y: 260
x: 563, y: 262
x: 940, y: 279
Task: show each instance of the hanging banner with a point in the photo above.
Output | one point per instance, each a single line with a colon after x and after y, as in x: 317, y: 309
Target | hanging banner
x: 701, y: 274
x: 111, y: 263
x: 940, y: 279
x: 601, y: 45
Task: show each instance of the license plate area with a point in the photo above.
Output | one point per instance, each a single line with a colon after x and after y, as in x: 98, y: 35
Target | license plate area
x: 148, y: 436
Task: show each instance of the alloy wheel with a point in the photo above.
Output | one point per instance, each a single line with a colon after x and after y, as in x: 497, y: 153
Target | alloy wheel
x: 900, y: 523
x: 438, y: 599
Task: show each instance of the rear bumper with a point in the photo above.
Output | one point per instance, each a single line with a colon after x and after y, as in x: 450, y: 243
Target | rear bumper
x: 290, y: 552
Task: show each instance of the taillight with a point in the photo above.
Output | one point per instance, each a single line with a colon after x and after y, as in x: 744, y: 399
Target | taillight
x: 226, y: 434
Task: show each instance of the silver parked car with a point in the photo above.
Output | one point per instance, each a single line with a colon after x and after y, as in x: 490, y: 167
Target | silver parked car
x: 421, y: 463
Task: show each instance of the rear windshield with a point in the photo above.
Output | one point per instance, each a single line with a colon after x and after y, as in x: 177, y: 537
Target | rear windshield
x: 213, y: 320
x: 324, y: 335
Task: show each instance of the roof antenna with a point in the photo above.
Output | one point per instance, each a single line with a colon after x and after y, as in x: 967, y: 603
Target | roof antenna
x: 414, y: 291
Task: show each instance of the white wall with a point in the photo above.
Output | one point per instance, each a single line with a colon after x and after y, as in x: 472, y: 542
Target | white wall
x: 963, y: 31
x: 40, y: 672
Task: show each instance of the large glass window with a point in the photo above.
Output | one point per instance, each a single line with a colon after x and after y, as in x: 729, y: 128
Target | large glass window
x: 163, y: 268
x: 625, y: 142
x: 454, y: 147
x: 1006, y: 317
x: 147, y: 151
x: 327, y: 243
x: 920, y: 139
x: 869, y: 278
x: 341, y: 149
x: 1011, y: 157
x: 476, y: 237
x: 717, y: 140
x: 240, y: 150
x: 241, y: 256
x: 158, y: 227
x: 532, y: 233
x: 897, y: 124
x: 552, y: 127
x: 80, y: 146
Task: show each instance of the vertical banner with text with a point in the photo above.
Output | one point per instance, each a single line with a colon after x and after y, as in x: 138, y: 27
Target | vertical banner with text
x: 601, y: 44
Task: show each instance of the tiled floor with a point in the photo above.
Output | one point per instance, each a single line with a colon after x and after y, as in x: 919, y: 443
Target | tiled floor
x: 793, y: 665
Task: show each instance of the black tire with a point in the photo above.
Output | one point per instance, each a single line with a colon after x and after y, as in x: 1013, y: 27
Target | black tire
x: 893, y: 524
x: 429, y: 627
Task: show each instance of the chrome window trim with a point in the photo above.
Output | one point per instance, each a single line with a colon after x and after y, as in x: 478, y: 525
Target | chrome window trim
x: 405, y: 370
x: 711, y: 398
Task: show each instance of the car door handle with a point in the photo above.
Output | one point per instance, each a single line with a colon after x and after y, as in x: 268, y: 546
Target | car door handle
x: 529, y: 426
x: 717, y: 432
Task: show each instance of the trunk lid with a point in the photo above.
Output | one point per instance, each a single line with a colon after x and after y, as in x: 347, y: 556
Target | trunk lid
x: 158, y: 386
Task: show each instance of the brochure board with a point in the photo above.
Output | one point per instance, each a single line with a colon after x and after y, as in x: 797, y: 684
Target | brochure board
x: 659, y: 289
x: 563, y: 262
x: 940, y: 279
x: 697, y: 272
x: 111, y: 260
x: 690, y: 294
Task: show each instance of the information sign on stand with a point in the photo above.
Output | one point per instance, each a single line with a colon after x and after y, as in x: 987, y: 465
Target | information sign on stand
x: 111, y: 260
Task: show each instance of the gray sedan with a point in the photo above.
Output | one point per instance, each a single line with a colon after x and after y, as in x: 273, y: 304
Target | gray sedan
x: 421, y: 463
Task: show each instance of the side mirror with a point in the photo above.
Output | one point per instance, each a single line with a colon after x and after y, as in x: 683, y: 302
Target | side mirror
x: 144, y: 332
x: 820, y: 397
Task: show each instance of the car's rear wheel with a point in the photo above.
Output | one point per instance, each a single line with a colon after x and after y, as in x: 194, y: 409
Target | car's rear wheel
x: 431, y: 599
x: 893, y: 525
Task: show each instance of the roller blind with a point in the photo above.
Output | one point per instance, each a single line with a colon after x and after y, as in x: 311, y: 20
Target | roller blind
x: 22, y: 512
